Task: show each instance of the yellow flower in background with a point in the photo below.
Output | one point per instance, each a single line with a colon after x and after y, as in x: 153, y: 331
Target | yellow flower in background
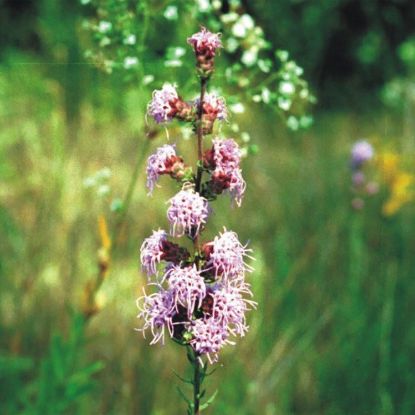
x: 401, y: 192
x: 103, y: 233
x: 388, y: 163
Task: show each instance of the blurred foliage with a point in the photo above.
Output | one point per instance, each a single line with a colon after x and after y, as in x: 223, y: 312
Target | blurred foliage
x: 333, y: 334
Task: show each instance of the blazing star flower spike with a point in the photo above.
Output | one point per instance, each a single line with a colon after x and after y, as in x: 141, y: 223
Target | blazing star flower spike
x: 187, y: 213
x: 202, y: 296
x: 362, y: 151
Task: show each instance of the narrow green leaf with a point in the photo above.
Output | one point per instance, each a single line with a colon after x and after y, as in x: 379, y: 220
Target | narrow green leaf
x: 209, y: 401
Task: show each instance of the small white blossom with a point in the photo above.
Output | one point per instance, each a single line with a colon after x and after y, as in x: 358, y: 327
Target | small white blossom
x: 130, y: 62
x: 171, y: 13
x: 249, y: 57
x: 104, y: 26
x: 130, y: 40
x: 237, y: 108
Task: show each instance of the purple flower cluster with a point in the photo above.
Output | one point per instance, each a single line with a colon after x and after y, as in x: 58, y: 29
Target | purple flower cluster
x: 202, y: 298
x: 205, y: 42
x: 362, y: 152
x: 214, y: 107
x: 158, y: 164
x: 209, y: 304
x: 167, y: 105
x: 224, y: 159
x: 187, y: 213
x: 226, y: 256
x: 163, y: 105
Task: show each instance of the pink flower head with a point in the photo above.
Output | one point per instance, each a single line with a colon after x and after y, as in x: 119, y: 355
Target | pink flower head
x: 208, y: 338
x: 229, y: 307
x: 152, y: 251
x: 226, y: 256
x: 187, y: 286
x: 159, y: 163
x: 214, y: 107
x: 205, y: 43
x: 157, y: 311
x: 226, y: 154
x: 163, y: 105
x: 188, y: 211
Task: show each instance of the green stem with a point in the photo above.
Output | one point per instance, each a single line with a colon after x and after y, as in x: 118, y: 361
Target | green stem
x: 197, y: 382
x: 203, y: 85
x: 197, y: 370
x: 129, y: 194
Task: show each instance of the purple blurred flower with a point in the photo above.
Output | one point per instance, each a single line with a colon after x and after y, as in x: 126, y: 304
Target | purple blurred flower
x: 157, y: 311
x: 188, y: 211
x: 358, y: 179
x: 187, y: 286
x: 362, y: 151
x: 163, y: 105
x: 157, y: 164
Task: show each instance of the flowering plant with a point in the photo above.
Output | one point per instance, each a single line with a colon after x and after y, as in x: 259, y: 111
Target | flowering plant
x: 362, y: 153
x: 201, y: 295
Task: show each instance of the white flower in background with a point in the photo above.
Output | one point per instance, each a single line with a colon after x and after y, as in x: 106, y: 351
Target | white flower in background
x: 178, y: 52
x: 237, y: 108
x: 148, y: 79
x: 287, y: 88
x: 104, y: 26
x: 130, y: 62
x: 264, y: 65
x: 245, y: 137
x: 130, y: 40
x: 216, y: 4
x: 103, y: 190
x: 293, y: 123
x: 171, y: 13
x: 104, y: 173
x: 231, y: 44
x: 238, y: 29
x: 229, y: 17
x: 204, y: 5
x: 266, y: 95
x: 284, y: 104
x: 250, y: 56
x: 247, y: 21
